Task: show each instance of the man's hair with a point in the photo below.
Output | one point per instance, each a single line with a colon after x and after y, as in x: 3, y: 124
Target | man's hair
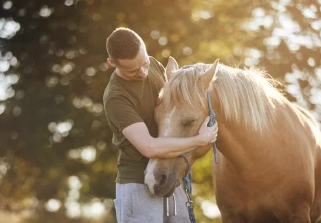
x: 123, y: 43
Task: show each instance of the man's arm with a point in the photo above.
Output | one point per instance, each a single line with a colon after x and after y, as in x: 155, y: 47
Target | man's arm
x: 164, y: 147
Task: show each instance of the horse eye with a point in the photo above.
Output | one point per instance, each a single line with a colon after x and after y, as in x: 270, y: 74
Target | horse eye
x: 189, y: 123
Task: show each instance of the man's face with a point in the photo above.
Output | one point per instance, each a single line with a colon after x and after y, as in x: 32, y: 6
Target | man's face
x: 134, y: 69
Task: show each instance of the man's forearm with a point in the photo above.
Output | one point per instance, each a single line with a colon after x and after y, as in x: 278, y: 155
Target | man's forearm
x: 173, y: 147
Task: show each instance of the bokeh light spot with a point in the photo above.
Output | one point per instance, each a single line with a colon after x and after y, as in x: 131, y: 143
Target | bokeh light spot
x: 88, y: 154
x: 187, y: 51
x: 7, y: 5
x: 4, y: 65
x: 155, y: 34
x: 45, y: 11
x: 53, y: 205
x: 166, y: 53
x: 162, y: 40
x: 2, y: 108
x: 210, y: 209
x: 69, y: 2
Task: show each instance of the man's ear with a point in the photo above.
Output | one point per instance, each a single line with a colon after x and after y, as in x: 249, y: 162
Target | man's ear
x: 110, y: 63
x: 171, y: 67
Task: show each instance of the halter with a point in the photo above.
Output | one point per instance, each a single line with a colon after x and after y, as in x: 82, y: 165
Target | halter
x: 187, y: 178
x: 211, y: 122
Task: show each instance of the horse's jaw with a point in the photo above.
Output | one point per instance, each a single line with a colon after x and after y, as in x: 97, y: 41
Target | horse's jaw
x: 168, y: 190
x: 162, y: 176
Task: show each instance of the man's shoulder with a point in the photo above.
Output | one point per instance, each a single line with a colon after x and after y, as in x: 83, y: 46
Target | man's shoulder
x: 155, y: 62
x: 113, y: 88
x: 153, y: 59
x: 156, y: 68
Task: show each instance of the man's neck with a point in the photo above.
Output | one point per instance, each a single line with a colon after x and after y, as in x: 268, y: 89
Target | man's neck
x: 119, y: 74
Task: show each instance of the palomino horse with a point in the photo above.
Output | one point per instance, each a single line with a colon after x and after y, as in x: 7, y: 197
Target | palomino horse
x: 269, y: 158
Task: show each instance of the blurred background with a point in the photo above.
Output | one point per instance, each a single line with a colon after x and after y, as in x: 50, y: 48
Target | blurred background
x: 57, y: 163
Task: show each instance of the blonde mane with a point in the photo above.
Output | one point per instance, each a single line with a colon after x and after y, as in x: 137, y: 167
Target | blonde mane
x: 247, y: 97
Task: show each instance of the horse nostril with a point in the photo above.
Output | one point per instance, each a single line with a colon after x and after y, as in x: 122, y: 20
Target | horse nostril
x: 161, y: 180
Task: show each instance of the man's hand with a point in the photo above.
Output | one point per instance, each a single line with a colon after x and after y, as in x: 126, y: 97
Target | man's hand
x: 208, y: 134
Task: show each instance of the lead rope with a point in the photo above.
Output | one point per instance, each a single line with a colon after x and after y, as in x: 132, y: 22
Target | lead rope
x: 187, y: 179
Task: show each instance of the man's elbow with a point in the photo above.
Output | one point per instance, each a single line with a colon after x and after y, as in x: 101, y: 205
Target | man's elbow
x: 150, y: 152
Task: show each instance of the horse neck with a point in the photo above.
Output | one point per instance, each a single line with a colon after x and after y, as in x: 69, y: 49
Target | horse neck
x: 233, y: 141
x: 247, y: 149
x: 230, y: 143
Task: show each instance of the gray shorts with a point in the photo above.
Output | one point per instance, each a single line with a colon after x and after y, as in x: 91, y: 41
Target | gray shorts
x: 134, y: 204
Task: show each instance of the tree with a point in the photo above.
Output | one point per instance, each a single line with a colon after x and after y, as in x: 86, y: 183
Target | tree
x: 52, y: 124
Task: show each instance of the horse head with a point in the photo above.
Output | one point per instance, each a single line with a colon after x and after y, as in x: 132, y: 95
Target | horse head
x: 181, y: 110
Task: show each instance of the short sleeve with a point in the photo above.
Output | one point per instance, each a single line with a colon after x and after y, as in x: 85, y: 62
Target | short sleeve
x: 160, y: 68
x: 121, y: 113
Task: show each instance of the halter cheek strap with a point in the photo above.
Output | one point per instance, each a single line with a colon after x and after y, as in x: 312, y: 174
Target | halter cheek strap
x: 211, y: 122
x: 187, y: 178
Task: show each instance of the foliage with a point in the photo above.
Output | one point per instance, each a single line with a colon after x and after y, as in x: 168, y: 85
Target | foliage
x: 53, y: 130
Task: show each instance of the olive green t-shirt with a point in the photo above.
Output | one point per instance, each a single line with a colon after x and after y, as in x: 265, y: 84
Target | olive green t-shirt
x: 129, y: 102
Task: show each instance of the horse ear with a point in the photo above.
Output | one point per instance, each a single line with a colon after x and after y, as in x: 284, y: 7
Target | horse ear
x: 209, y: 74
x: 171, y: 67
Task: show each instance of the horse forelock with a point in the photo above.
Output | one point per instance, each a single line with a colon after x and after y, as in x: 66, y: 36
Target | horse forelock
x: 184, y: 89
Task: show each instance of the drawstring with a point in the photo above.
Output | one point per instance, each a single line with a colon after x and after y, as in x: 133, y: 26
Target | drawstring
x: 175, y: 208
x: 167, y: 205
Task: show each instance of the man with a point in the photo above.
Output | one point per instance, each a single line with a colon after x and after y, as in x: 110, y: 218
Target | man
x: 129, y: 100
